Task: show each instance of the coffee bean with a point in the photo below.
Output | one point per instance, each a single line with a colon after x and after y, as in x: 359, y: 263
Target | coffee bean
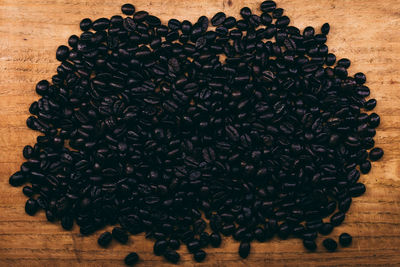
x: 104, y: 239
x: 172, y: 256
x: 244, y: 249
x: 200, y: 255
x: 17, y: 179
x: 267, y: 6
x: 325, y: 28
x: 375, y: 154
x: 128, y: 9
x: 131, y: 259
x: 326, y: 229
x: 85, y: 24
x: 345, y: 239
x: 330, y: 244
x: 215, y: 240
x: 310, y: 245
x: 31, y: 207
x: 218, y: 19
x: 160, y: 247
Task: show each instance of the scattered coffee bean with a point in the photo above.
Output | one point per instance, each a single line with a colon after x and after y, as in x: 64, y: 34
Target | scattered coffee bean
x: 104, y: 239
x: 131, y: 259
x: 345, y: 239
x: 330, y: 244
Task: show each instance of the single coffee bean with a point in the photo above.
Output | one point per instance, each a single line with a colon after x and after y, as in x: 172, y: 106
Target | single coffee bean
x: 62, y: 53
x: 244, y: 249
x: 375, y: 154
x: 31, y: 207
x: 345, y: 239
x: 131, y: 259
x: 120, y: 235
x: 172, y: 256
x: 104, y: 239
x: 267, y: 6
x: 325, y: 28
x: 215, y: 240
x: 326, y: 229
x: 200, y: 255
x: 218, y: 19
x: 17, y: 179
x: 85, y: 24
x: 160, y: 247
x: 337, y: 218
x: 128, y: 9
x: 310, y: 245
x: 330, y: 244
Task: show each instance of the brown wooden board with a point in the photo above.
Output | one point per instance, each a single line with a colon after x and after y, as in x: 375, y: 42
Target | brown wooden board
x: 365, y: 31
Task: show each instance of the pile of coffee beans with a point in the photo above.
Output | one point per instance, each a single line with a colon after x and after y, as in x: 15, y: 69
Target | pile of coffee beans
x: 245, y: 127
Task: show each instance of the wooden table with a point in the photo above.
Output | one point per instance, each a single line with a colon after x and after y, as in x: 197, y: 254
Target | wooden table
x: 367, y: 32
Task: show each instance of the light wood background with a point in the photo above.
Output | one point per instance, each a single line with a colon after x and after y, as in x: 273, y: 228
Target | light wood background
x: 366, y: 31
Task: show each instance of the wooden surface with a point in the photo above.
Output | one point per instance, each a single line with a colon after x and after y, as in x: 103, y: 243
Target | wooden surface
x: 367, y: 32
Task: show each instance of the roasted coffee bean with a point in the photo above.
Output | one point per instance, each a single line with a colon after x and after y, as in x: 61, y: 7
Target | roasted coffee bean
x: 337, y: 218
x: 200, y: 255
x: 31, y: 207
x: 326, y: 229
x: 345, y: 239
x: 218, y: 19
x: 357, y: 190
x: 120, y: 235
x: 267, y: 6
x: 17, y: 179
x: 330, y: 244
x: 310, y: 245
x: 365, y: 167
x: 375, y: 154
x: 215, y: 240
x: 131, y: 259
x: 85, y: 24
x: 325, y: 28
x: 160, y: 247
x: 62, y: 53
x: 172, y: 256
x: 244, y: 249
x: 67, y: 222
x: 128, y: 9
x: 104, y: 239
x: 370, y: 104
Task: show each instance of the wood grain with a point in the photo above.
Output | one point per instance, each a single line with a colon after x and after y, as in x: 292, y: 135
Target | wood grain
x: 366, y: 31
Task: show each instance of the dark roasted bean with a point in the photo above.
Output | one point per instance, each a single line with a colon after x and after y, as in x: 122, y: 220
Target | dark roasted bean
x: 244, y: 249
x: 120, y: 235
x: 337, y: 218
x: 218, y: 19
x: 131, y: 259
x: 172, y: 256
x: 62, y: 53
x: 85, y: 24
x: 375, y: 154
x: 310, y: 245
x: 215, y: 240
x: 345, y: 239
x: 326, y: 229
x: 200, y: 255
x: 330, y: 244
x: 31, y: 207
x: 267, y: 6
x: 160, y: 247
x: 128, y: 9
x: 104, y: 239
